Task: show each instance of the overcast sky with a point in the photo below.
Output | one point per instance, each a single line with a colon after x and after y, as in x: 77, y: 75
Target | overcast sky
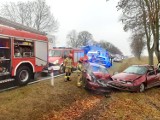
x: 98, y: 17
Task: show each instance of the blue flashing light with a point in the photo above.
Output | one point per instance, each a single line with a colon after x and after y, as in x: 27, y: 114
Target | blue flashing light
x: 97, y: 51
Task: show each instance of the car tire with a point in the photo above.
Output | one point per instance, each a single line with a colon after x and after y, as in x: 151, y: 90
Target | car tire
x: 61, y: 70
x: 23, y: 75
x: 142, y: 88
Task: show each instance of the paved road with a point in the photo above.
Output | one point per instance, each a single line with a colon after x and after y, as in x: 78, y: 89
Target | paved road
x: 12, y: 85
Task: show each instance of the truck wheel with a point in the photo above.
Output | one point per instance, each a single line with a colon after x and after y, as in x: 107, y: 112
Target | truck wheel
x: 61, y: 70
x: 23, y: 75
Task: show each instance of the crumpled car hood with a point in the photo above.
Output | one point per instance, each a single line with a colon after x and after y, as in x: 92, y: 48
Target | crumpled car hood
x: 125, y: 76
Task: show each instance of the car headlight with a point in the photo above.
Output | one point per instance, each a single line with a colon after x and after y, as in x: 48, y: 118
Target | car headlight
x: 129, y: 83
x: 102, y: 82
x: 56, y: 62
x: 91, y: 77
x: 114, y: 78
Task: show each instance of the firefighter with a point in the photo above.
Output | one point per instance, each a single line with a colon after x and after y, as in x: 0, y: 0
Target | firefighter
x: 68, y: 67
x: 85, y: 65
x: 79, y: 72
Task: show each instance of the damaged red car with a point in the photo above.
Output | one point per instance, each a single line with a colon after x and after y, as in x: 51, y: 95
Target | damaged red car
x: 136, y: 78
x: 96, y: 77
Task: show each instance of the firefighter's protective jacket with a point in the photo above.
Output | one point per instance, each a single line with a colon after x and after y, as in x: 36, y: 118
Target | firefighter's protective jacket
x: 68, y: 62
x: 79, y: 67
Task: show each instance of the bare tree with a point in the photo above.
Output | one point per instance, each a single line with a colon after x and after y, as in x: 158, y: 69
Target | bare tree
x: 85, y: 37
x: 153, y: 10
x: 137, y: 45
x: 72, y: 39
x: 35, y: 14
x: 110, y: 47
x: 135, y: 18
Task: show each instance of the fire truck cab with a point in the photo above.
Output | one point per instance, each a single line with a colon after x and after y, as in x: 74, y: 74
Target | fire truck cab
x: 57, y: 56
x: 23, y: 53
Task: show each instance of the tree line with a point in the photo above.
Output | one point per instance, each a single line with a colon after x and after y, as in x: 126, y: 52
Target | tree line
x: 84, y: 38
x: 142, y: 17
x: 35, y: 14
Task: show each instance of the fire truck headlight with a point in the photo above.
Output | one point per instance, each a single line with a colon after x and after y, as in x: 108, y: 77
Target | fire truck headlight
x: 56, y: 62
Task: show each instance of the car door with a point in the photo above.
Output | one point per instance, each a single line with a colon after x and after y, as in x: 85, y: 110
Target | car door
x: 158, y: 75
x: 152, y: 78
x: 157, y: 80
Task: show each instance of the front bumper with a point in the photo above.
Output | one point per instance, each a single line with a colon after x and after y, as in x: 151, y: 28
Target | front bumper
x: 122, y: 86
x: 54, y: 67
x: 97, y: 87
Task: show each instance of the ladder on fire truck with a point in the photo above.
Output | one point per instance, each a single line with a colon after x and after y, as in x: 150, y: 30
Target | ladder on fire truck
x: 18, y: 26
x: 6, y: 22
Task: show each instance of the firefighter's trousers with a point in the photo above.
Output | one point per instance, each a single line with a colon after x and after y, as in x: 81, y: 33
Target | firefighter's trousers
x: 79, y: 79
x: 68, y: 73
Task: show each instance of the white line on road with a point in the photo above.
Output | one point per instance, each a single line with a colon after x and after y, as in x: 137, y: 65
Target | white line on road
x: 45, y: 78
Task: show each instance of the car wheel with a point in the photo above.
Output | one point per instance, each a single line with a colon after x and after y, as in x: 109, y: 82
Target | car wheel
x: 142, y: 88
x: 61, y: 70
x: 23, y: 75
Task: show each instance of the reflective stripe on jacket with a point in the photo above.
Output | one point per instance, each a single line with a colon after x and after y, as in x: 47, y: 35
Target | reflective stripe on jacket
x: 68, y: 63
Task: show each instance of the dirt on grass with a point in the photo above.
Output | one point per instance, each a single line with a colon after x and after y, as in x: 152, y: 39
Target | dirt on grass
x: 65, y: 101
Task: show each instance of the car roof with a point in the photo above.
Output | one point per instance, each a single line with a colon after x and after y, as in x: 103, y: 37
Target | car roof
x: 145, y: 65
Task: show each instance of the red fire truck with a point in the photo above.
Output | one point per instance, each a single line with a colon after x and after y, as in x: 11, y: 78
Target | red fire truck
x: 58, y: 54
x: 23, y: 52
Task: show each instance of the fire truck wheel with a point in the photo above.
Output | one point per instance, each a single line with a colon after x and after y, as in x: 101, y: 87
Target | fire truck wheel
x: 61, y: 70
x: 23, y: 75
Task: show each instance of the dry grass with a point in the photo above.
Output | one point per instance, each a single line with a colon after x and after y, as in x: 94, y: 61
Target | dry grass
x: 65, y: 101
x: 34, y: 101
x: 130, y: 61
x: 133, y: 106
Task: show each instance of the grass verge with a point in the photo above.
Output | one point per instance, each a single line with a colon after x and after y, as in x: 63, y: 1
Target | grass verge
x: 65, y: 101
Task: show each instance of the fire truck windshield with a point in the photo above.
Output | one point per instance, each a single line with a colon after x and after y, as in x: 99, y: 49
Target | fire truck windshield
x: 55, y: 53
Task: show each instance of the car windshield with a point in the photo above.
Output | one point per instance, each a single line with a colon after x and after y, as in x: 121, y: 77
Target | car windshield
x: 94, y: 68
x: 136, y: 70
x: 55, y: 53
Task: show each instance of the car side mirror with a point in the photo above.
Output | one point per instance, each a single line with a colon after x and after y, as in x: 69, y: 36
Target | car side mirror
x: 151, y: 73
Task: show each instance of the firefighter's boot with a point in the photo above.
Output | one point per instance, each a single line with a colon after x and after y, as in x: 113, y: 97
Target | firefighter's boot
x: 69, y: 79
x: 79, y: 82
x: 65, y: 79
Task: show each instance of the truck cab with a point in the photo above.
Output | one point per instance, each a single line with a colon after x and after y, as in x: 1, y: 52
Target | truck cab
x: 21, y: 58
x: 57, y: 56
